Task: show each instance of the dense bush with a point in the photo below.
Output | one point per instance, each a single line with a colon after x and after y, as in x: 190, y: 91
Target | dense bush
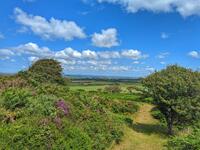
x: 44, y: 71
x: 123, y: 106
x: 190, y: 142
x: 42, y: 105
x: 15, y: 98
x: 31, y: 134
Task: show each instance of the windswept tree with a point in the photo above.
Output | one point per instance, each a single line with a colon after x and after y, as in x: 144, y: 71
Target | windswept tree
x: 176, y: 92
x: 44, y: 71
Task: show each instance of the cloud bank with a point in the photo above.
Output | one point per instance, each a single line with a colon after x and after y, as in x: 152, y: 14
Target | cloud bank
x: 72, y: 59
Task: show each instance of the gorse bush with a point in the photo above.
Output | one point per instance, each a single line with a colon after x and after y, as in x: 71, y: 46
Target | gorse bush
x: 44, y: 71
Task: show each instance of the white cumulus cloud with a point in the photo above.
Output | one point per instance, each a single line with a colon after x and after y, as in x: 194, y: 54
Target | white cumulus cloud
x: 72, y: 59
x: 107, y: 38
x: 133, y: 54
x: 68, y: 53
x: 183, y: 7
x: 32, y: 49
x: 49, y: 29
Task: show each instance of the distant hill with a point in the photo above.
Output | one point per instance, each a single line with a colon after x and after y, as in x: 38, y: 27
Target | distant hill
x: 98, y: 77
x: 6, y: 74
x: 89, y: 78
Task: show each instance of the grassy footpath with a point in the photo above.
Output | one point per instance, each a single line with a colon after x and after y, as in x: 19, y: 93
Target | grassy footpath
x: 145, y: 134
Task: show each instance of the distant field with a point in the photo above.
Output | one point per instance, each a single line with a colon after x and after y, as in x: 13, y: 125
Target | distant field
x: 94, y: 85
x: 87, y: 87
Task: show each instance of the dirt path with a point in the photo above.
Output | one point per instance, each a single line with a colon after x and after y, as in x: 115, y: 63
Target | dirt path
x: 146, y: 133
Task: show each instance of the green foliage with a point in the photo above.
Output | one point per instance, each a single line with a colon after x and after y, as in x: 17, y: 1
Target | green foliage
x: 25, y: 136
x: 31, y: 134
x: 175, y: 91
x: 94, y: 122
x: 156, y: 113
x: 52, y: 89
x: 44, y: 71
x: 38, y: 111
x: 42, y: 105
x: 15, y: 98
x: 190, y: 142
x: 113, y: 89
x: 74, y: 139
x: 123, y: 107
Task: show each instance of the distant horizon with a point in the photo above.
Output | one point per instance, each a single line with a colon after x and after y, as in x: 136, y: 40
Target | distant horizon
x: 86, y: 75
x: 95, y: 75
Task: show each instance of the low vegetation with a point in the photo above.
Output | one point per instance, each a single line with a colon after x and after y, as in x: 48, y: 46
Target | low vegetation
x: 42, y: 113
x: 41, y: 109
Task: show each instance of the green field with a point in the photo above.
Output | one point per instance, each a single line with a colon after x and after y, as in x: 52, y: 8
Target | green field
x: 94, y: 85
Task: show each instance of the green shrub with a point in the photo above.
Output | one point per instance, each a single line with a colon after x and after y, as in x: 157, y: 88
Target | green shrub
x: 26, y: 134
x: 44, y: 71
x: 52, y: 89
x: 42, y: 105
x: 123, y: 106
x: 74, y: 139
x: 15, y: 98
x: 155, y: 112
x: 190, y: 142
x: 33, y: 134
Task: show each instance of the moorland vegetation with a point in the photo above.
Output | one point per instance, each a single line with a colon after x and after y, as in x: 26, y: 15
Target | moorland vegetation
x: 39, y: 110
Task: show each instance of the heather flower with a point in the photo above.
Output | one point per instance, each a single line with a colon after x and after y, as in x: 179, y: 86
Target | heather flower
x: 61, y: 105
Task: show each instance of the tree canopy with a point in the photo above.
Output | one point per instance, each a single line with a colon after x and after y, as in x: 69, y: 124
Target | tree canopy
x: 176, y: 91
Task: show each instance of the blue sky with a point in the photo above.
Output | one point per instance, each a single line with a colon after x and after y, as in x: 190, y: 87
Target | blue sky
x: 100, y: 37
